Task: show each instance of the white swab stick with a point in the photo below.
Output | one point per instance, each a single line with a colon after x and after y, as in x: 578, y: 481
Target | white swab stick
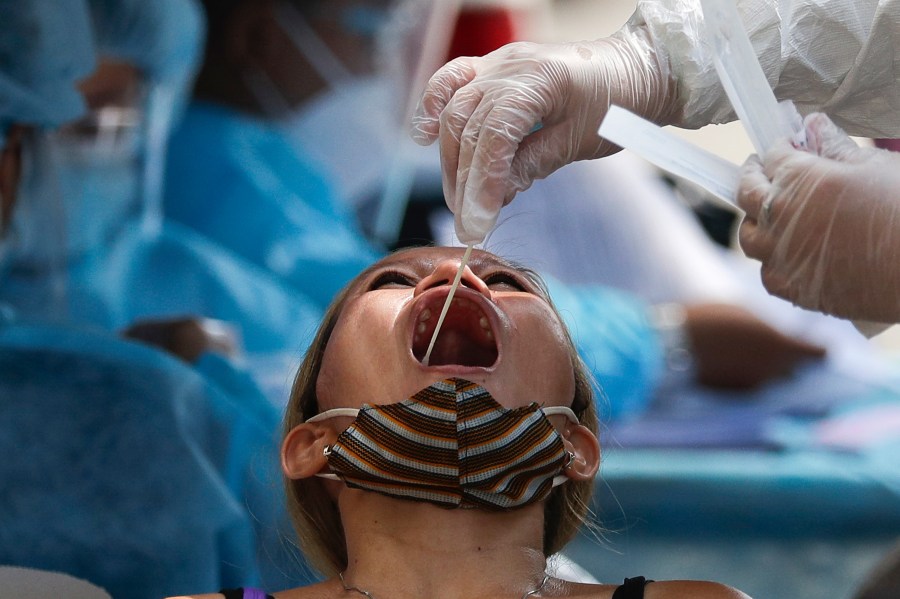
x: 440, y: 322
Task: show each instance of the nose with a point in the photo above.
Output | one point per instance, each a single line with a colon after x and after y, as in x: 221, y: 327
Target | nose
x: 443, y: 274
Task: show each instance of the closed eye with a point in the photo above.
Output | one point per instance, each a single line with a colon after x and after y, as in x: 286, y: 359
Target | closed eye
x: 391, y: 279
x: 503, y: 281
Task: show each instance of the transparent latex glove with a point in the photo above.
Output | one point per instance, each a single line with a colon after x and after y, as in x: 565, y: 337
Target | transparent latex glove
x: 733, y: 349
x: 523, y: 111
x: 826, y: 224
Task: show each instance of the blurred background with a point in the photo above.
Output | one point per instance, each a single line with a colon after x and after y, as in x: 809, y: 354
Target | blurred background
x: 185, y: 186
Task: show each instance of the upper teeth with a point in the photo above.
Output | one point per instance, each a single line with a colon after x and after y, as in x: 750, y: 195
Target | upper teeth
x: 425, y: 316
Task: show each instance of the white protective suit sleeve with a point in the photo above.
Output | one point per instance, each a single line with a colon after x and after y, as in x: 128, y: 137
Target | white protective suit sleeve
x: 832, y: 56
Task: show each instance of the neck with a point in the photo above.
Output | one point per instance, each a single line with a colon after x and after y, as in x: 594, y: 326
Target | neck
x: 401, y: 549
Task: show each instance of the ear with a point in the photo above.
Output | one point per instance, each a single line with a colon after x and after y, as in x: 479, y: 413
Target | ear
x: 303, y: 450
x: 584, y: 444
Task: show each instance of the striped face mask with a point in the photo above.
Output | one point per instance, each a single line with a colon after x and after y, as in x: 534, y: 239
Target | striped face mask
x: 453, y: 445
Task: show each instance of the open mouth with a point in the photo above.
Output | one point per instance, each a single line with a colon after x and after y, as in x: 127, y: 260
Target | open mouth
x: 465, y: 338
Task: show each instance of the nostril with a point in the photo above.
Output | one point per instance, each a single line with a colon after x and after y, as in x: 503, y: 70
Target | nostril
x: 438, y: 283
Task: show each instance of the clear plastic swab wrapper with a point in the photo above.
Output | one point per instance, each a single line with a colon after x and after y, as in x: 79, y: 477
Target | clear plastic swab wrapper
x: 440, y: 322
x: 671, y: 153
x: 745, y: 83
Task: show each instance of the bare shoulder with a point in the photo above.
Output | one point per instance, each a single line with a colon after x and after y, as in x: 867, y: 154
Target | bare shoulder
x: 691, y: 589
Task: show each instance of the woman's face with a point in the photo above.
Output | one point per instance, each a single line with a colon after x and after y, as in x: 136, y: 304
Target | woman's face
x: 499, y: 332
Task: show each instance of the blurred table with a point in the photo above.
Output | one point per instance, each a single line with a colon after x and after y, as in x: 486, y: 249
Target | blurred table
x: 774, y: 524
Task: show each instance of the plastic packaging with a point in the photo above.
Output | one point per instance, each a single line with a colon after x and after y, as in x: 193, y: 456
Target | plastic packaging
x: 671, y: 153
x: 744, y: 81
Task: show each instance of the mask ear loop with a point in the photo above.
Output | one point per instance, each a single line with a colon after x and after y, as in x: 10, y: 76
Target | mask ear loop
x: 562, y: 478
x: 328, y: 449
x: 570, y: 456
x: 334, y: 413
x: 562, y: 410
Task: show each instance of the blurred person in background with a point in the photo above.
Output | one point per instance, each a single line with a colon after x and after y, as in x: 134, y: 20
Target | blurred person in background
x: 70, y: 184
x: 114, y: 259
x: 233, y: 174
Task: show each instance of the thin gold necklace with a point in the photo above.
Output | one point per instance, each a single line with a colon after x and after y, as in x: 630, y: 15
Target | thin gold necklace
x: 369, y: 595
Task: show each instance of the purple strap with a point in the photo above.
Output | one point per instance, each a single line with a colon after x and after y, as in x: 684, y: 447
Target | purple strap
x: 251, y: 593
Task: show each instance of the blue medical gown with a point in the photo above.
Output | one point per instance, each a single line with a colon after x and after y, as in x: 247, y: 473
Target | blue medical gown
x: 171, y: 273
x: 179, y: 271
x: 621, y: 349
x: 128, y: 468
x: 241, y: 183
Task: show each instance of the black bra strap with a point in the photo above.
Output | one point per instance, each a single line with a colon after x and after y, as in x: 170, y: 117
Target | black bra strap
x: 238, y: 593
x: 632, y: 588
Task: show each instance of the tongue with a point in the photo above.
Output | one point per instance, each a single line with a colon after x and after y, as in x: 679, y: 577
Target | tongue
x: 452, y: 347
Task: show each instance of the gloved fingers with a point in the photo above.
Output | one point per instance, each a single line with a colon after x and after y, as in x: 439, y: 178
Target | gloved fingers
x: 783, y: 158
x: 439, y: 90
x: 484, y: 184
x: 488, y: 146
x: 477, y: 218
x: 758, y: 196
x: 455, y: 121
x: 543, y: 152
x: 780, y: 285
x: 458, y: 226
x: 826, y: 139
x: 755, y: 241
x: 754, y: 188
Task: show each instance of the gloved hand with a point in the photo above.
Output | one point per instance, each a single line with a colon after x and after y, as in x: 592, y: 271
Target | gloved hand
x: 826, y: 224
x: 486, y: 110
